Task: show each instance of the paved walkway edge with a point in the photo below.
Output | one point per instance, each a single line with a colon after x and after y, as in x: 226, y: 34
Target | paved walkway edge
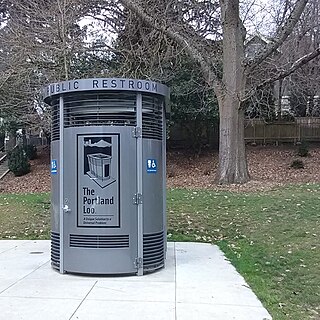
x: 198, y: 282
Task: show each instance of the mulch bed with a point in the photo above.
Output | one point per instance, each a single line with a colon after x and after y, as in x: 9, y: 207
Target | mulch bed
x: 269, y: 167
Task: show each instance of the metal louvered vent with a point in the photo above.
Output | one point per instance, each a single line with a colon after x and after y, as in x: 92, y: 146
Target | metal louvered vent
x: 99, y: 109
x: 99, y: 241
x: 153, y: 251
x: 55, y: 121
x: 108, y: 109
x: 152, y: 109
x: 55, y: 249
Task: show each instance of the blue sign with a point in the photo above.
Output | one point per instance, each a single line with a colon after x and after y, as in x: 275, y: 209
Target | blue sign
x: 54, y: 166
x: 152, y: 166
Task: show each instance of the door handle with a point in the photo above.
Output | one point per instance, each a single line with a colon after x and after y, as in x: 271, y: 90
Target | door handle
x: 66, y: 208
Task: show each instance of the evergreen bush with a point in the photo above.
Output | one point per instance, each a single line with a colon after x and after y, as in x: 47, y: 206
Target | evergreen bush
x: 303, y: 150
x: 31, y: 151
x: 297, y: 164
x: 18, y: 162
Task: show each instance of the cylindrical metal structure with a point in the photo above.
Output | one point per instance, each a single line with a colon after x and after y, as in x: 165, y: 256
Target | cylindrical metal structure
x: 108, y: 175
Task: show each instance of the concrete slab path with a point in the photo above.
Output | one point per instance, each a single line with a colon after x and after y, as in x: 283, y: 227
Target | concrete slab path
x: 198, y: 283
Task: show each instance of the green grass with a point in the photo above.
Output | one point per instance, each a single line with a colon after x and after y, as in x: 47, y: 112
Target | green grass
x: 25, y: 216
x: 273, y: 239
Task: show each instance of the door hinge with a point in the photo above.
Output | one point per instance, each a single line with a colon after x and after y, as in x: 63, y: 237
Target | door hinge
x: 138, y: 263
x: 137, y: 198
x: 136, y: 132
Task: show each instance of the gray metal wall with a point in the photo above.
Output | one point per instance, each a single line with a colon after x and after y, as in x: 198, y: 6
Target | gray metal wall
x: 108, y: 201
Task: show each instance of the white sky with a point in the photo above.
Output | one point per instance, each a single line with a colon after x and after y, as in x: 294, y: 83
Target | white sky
x: 258, y: 15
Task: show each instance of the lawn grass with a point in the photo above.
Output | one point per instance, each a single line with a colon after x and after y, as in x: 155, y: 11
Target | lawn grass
x: 25, y: 216
x: 273, y: 239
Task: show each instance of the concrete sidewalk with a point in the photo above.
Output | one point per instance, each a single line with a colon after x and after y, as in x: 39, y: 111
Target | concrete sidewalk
x: 197, y: 283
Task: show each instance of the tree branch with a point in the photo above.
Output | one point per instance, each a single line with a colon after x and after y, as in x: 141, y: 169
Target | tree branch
x: 184, y: 42
x: 284, y: 32
x: 285, y: 73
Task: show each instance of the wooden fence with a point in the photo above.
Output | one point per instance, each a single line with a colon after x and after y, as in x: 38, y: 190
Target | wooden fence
x: 302, y: 129
x: 256, y: 131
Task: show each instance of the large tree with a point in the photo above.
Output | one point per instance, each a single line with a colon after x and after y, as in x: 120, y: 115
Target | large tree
x: 192, y: 25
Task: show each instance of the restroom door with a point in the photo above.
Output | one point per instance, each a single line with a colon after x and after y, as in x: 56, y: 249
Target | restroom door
x: 100, y: 218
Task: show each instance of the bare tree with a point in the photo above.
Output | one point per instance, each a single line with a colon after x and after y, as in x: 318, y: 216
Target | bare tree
x: 304, y: 84
x: 192, y: 25
x: 288, y: 64
x: 41, y: 42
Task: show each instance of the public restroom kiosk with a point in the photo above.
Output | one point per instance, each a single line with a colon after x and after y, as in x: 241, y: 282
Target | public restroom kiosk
x: 108, y: 175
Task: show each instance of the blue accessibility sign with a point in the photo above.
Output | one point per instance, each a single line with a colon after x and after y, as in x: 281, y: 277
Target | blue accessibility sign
x: 152, y: 166
x: 54, y: 166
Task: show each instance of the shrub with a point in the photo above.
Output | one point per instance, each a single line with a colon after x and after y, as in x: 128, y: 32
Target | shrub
x: 297, y: 164
x: 31, y: 151
x: 18, y: 162
x: 303, y: 150
x: 287, y: 116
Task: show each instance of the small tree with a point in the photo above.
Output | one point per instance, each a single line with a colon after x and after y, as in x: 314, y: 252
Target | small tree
x: 18, y: 162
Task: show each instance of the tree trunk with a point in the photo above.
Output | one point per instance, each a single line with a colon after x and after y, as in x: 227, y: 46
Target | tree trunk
x: 232, y: 157
x: 2, y: 137
x: 11, y: 143
x: 279, y: 104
